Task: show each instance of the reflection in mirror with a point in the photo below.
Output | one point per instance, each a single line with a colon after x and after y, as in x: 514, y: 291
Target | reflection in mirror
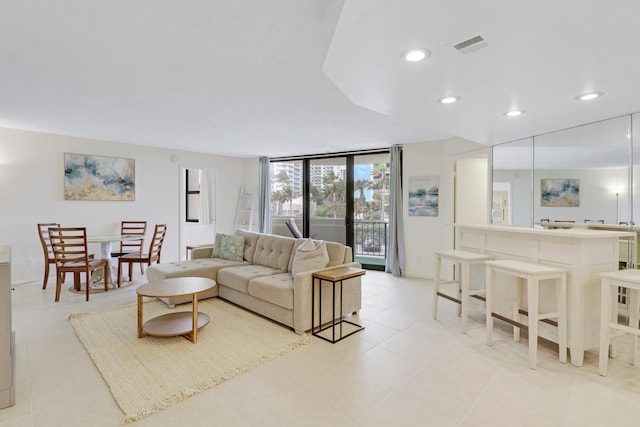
x: 582, y: 174
x: 512, y: 166
x: 635, y: 139
x: 501, y: 205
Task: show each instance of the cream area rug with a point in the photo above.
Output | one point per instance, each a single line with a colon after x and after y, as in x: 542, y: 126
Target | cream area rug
x: 146, y: 375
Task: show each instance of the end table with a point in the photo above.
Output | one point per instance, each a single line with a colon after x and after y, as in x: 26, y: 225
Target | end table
x: 334, y: 276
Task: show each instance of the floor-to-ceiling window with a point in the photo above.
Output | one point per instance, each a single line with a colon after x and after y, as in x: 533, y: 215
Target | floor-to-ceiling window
x: 342, y: 198
x: 328, y: 215
x: 287, y: 179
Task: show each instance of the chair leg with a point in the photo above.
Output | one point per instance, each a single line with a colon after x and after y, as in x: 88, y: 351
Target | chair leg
x: 119, y: 272
x: 77, y: 285
x: 605, y: 318
x: 634, y: 303
x: 464, y: 270
x: 88, y: 279
x: 436, y: 287
x: 46, y: 274
x: 107, y: 273
x: 533, y: 295
x: 107, y: 276
x: 490, y: 276
x: 562, y: 318
x: 131, y: 271
x: 59, y: 280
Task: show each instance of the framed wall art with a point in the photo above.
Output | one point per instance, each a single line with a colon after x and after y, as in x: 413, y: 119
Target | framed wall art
x: 423, y: 195
x: 560, y: 192
x: 88, y: 177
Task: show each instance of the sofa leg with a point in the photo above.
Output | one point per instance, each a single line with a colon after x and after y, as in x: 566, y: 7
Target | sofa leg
x: 298, y: 332
x: 356, y: 312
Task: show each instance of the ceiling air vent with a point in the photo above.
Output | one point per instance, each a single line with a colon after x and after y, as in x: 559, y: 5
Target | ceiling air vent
x: 471, y: 45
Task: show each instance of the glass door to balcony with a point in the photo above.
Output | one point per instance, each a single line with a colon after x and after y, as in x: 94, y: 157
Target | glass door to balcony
x: 341, y: 199
x: 371, y: 209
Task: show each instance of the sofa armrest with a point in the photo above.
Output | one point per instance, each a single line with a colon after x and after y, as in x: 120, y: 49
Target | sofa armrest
x: 302, y: 291
x: 201, y: 251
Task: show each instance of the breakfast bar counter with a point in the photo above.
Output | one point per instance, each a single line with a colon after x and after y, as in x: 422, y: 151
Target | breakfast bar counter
x: 584, y: 253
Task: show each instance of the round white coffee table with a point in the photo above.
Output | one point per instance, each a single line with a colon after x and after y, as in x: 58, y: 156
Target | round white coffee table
x: 185, y: 323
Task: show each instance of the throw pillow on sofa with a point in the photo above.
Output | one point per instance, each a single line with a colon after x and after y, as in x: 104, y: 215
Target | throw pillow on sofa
x: 232, y: 247
x: 215, y: 252
x: 309, y: 256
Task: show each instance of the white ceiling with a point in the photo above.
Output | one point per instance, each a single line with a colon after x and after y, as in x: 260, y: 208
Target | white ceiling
x: 286, y: 77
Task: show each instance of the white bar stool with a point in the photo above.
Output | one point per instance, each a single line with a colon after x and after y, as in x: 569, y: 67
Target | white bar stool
x: 529, y: 274
x: 462, y: 261
x: 610, y: 282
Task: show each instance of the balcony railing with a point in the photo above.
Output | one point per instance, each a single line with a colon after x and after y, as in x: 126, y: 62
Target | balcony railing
x: 370, y: 238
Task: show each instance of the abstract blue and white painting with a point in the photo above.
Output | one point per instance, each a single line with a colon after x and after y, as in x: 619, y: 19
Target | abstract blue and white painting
x: 98, y: 178
x: 560, y: 192
x: 423, y: 195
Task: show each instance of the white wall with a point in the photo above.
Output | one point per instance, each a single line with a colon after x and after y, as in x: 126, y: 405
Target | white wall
x: 424, y: 235
x: 32, y: 181
x: 471, y: 192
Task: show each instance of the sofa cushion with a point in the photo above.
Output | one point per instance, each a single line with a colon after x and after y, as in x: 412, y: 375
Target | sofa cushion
x: 250, y: 241
x: 201, y: 267
x: 274, y: 251
x: 309, y: 256
x: 238, y: 278
x: 276, y: 289
x: 232, y: 247
x: 337, y: 254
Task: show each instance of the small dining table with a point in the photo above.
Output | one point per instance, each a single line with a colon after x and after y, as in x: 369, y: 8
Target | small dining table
x: 105, y: 241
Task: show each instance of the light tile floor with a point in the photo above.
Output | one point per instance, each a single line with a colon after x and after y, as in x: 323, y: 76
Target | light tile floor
x: 404, y: 369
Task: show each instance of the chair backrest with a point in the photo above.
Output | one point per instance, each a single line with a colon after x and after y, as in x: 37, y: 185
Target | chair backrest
x: 69, y: 246
x: 132, y: 228
x: 293, y: 228
x: 155, y: 248
x: 45, y: 241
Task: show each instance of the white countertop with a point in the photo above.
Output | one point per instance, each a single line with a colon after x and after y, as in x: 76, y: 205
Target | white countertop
x: 581, y: 233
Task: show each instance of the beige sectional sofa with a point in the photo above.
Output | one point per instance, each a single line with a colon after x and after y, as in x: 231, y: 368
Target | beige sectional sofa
x: 263, y: 283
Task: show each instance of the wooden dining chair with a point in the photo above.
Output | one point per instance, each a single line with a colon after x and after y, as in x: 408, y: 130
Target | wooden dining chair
x: 71, y: 255
x: 132, y: 228
x: 43, y: 233
x: 153, y: 255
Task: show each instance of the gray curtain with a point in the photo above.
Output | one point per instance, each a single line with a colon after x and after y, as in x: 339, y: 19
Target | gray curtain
x: 395, y: 255
x: 265, y: 195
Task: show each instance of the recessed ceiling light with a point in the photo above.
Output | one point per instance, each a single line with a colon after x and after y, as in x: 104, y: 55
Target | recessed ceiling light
x: 589, y: 96
x: 416, y: 55
x: 449, y: 99
x: 514, y: 113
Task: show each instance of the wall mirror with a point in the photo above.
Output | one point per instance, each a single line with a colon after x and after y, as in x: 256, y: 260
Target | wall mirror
x: 512, y: 172
x: 582, y: 175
